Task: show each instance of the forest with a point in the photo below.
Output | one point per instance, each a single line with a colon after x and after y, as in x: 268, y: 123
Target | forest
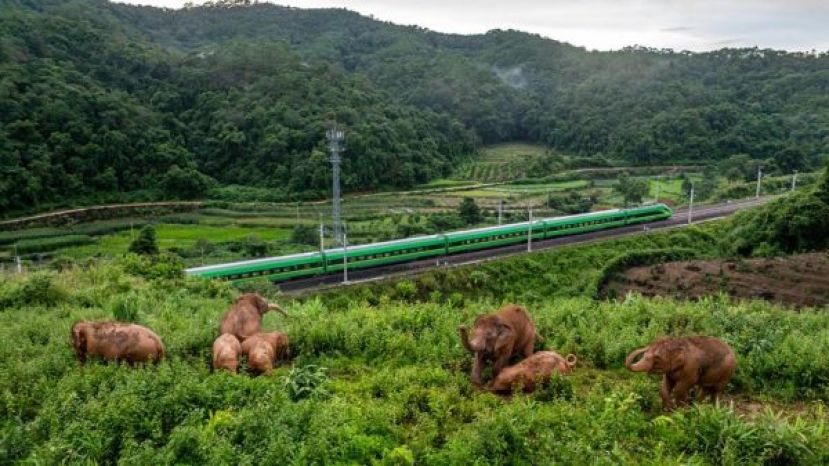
x: 110, y: 102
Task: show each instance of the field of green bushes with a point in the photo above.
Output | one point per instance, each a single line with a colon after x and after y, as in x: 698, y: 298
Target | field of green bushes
x: 386, y: 383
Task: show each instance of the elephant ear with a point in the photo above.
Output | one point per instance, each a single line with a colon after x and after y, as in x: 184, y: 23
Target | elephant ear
x: 673, y: 355
x: 504, y: 337
x: 677, y: 360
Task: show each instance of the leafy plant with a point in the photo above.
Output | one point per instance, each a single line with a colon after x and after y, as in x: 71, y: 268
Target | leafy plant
x: 145, y: 243
x: 306, y: 381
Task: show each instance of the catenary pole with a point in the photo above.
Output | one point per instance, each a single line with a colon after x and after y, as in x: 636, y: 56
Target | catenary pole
x: 759, y: 179
x: 691, y: 205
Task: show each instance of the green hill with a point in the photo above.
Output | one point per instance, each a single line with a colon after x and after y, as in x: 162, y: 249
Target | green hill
x: 102, y: 100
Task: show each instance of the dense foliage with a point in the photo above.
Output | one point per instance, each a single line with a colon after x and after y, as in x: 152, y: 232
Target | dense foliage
x: 798, y: 222
x: 89, y: 109
x: 389, y: 383
x: 104, y: 98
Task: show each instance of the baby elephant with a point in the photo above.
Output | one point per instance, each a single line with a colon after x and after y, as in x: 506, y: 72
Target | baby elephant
x: 537, y: 369
x: 226, y: 353
x: 264, y: 349
x: 499, y: 336
x: 686, y: 362
x: 244, y: 318
x: 116, y: 341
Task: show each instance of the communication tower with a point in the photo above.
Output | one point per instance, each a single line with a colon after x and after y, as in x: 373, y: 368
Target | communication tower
x: 335, y: 138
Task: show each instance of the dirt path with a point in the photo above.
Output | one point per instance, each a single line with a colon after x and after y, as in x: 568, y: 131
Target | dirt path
x: 799, y: 281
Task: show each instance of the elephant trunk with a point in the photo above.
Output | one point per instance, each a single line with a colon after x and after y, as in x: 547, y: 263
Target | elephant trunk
x: 275, y: 307
x: 638, y: 367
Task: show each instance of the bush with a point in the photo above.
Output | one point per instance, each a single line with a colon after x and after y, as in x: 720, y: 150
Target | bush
x: 305, y: 235
x: 145, y: 243
x: 40, y: 288
x: 469, y: 212
x: 162, y: 266
x: 50, y: 244
x: 306, y: 381
x: 795, y: 223
x: 125, y: 307
x: 186, y: 183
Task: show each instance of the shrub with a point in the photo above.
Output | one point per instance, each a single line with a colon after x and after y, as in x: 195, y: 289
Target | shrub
x: 50, y: 244
x: 305, y: 235
x: 145, y: 243
x: 125, y: 307
x: 162, y: 266
x: 306, y: 381
x: 40, y: 288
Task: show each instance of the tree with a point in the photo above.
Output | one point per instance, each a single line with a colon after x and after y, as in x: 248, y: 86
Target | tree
x: 186, y: 183
x: 632, y: 190
x: 255, y: 246
x: 145, y: 243
x: 305, y: 235
x: 469, y: 211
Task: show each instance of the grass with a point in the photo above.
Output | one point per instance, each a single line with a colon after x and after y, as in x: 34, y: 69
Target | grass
x: 394, y: 388
x: 180, y: 236
x: 543, y: 187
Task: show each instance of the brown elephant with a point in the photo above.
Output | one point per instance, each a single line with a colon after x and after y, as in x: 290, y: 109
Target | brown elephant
x: 264, y: 350
x: 686, y: 362
x: 116, y: 341
x: 226, y: 353
x: 535, y: 370
x: 244, y: 318
x: 499, y: 337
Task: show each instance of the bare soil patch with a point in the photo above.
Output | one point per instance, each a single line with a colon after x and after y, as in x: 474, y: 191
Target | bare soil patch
x: 800, y: 281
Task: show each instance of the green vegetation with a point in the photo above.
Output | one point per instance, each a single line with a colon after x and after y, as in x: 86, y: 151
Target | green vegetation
x: 469, y: 212
x: 388, y: 383
x: 212, y: 102
x: 631, y: 190
x: 145, y: 242
x: 49, y: 244
x: 798, y: 222
x: 510, y: 161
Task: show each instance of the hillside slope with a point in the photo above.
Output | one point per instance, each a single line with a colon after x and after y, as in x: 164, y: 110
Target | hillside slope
x: 394, y: 388
x: 101, y: 99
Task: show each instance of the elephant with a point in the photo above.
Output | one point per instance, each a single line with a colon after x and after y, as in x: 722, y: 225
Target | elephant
x: 226, y: 353
x: 535, y: 370
x: 686, y: 362
x: 264, y: 349
x: 116, y: 341
x: 499, y: 337
x: 244, y: 318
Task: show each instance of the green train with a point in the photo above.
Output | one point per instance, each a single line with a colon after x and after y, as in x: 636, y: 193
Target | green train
x: 362, y: 256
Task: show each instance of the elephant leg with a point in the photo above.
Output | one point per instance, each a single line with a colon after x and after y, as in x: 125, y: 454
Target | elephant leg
x: 500, y: 363
x: 715, y: 393
x: 528, y: 349
x: 665, y: 393
x: 476, y: 368
x: 681, y: 389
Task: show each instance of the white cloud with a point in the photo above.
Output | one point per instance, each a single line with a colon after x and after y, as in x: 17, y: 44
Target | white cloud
x: 609, y: 24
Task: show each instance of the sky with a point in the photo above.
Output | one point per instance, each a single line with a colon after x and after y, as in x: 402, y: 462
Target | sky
x: 697, y: 25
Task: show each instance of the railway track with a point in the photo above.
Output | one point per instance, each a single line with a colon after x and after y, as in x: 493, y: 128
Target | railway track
x: 680, y: 218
